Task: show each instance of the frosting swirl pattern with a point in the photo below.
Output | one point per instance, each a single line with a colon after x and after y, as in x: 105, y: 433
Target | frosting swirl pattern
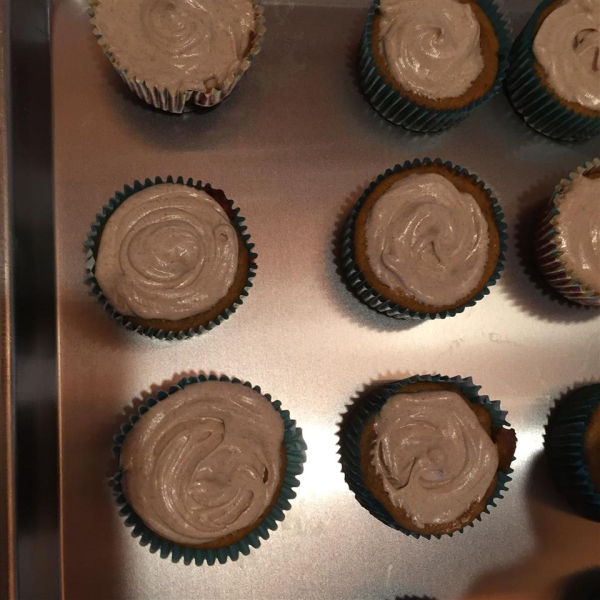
x: 432, y: 48
x: 204, y: 463
x: 183, y: 44
x: 168, y: 252
x: 579, y: 229
x: 567, y: 46
x: 434, y: 458
x: 427, y: 240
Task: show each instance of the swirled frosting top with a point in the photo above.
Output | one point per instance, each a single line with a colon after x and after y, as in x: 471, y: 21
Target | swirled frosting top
x: 567, y: 46
x: 427, y: 239
x: 204, y: 463
x: 433, y: 456
x: 431, y: 47
x: 177, y: 44
x: 579, y: 229
x: 168, y: 252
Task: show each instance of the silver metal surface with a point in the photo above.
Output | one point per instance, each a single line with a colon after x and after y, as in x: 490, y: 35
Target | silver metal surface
x: 294, y: 146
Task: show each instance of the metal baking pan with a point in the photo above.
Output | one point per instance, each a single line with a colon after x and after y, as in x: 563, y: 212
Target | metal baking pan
x: 294, y: 146
x: 29, y: 523
x: 7, y: 488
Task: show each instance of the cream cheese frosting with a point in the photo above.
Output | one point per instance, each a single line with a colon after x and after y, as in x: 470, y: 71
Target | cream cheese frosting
x: 428, y: 240
x: 432, y: 48
x: 177, y: 44
x: 433, y: 456
x: 204, y: 463
x: 567, y: 46
x: 168, y: 252
x: 579, y: 230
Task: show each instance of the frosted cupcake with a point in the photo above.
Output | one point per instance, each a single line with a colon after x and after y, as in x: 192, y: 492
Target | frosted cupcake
x: 567, y: 242
x: 427, y: 455
x: 425, y: 65
x: 554, y: 81
x: 170, y: 259
x: 572, y: 445
x: 425, y: 240
x: 174, y: 53
x: 207, y: 470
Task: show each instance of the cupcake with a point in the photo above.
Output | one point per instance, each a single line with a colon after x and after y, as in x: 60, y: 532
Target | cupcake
x: 426, y: 65
x: 427, y: 455
x: 554, y: 81
x: 207, y: 469
x: 170, y: 259
x: 176, y: 53
x: 567, y: 240
x: 572, y: 446
x: 425, y: 240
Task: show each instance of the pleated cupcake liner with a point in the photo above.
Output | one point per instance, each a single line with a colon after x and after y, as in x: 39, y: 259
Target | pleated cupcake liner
x: 351, y: 434
x: 92, y: 246
x: 535, y: 102
x: 401, y: 110
x: 548, y: 241
x: 564, y: 446
x: 295, y: 449
x: 356, y: 279
x: 180, y: 100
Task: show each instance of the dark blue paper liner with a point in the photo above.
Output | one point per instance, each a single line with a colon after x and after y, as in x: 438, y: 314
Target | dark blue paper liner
x: 91, y: 245
x: 351, y: 434
x: 295, y: 449
x: 357, y: 281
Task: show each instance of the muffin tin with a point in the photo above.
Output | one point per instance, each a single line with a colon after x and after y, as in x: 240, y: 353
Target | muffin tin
x: 295, y: 145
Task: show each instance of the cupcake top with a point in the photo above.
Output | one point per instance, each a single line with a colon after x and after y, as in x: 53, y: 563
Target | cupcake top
x: 566, y: 46
x: 177, y: 44
x: 432, y: 48
x: 428, y: 240
x: 578, y: 225
x: 433, y: 456
x: 168, y: 252
x: 205, y: 463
